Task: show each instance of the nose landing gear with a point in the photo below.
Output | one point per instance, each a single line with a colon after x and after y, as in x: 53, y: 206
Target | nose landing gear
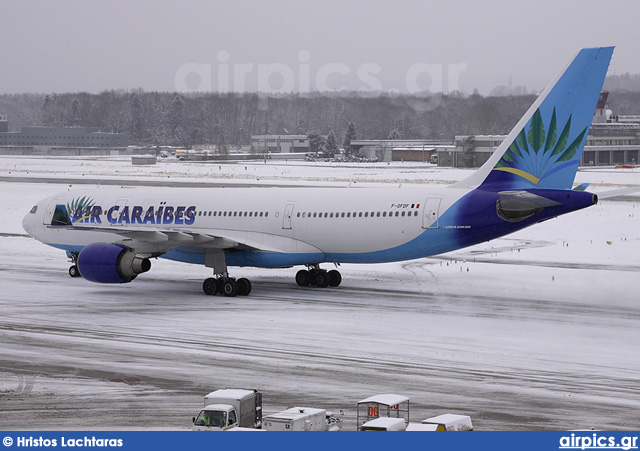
x: 73, y: 269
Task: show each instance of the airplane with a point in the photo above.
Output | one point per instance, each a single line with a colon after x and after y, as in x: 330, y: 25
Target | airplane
x: 110, y: 234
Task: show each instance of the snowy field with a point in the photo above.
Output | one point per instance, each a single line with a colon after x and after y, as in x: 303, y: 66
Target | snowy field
x: 538, y: 330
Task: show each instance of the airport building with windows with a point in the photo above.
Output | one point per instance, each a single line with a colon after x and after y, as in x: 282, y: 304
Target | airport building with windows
x: 608, y: 144
x: 58, y: 136
x: 280, y: 143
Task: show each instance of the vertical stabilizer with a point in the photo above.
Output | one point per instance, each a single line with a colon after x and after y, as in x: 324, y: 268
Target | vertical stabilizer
x: 544, y: 148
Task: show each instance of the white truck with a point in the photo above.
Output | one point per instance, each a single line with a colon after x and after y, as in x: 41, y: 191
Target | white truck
x: 297, y: 419
x: 229, y: 408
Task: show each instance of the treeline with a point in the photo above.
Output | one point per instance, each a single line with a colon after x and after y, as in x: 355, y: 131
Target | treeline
x: 161, y: 118
x: 624, y: 82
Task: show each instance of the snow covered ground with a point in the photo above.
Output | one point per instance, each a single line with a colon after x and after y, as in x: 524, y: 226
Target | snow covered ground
x: 537, y: 330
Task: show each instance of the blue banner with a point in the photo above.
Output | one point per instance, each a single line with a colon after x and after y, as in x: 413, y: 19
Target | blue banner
x: 163, y: 440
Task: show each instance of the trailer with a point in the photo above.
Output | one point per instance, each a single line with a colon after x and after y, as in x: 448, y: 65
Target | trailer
x: 450, y: 422
x: 384, y: 424
x: 296, y: 419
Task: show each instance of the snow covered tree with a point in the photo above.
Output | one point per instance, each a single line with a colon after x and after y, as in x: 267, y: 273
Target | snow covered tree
x: 349, y: 136
x: 301, y: 126
x: 332, y: 144
x: 137, y: 119
x: 176, y: 120
x: 316, y: 142
x: 220, y: 138
x: 75, y: 114
x: 395, y: 134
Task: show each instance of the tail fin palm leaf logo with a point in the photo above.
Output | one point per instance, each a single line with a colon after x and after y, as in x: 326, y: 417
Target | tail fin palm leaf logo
x: 539, y: 152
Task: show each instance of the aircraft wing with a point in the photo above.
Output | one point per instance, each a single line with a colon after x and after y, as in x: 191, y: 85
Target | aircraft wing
x: 159, y: 241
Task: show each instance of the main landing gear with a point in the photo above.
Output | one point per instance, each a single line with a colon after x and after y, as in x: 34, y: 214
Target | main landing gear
x: 73, y: 269
x: 229, y: 286
x: 318, y: 277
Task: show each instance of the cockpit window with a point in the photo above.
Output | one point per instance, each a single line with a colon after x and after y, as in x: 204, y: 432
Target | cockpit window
x: 34, y: 209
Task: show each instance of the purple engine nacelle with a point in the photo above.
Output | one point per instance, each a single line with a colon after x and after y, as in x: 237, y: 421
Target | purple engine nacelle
x: 110, y: 263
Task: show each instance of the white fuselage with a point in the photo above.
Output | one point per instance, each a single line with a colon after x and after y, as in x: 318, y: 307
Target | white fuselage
x: 330, y: 223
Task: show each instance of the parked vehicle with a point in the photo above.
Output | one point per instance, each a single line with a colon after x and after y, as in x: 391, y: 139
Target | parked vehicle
x: 228, y: 408
x: 297, y: 419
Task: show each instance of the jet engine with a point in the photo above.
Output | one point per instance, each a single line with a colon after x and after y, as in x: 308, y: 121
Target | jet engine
x: 110, y: 263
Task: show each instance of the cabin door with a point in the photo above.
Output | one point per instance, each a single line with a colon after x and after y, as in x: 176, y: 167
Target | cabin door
x: 286, y: 219
x: 430, y: 214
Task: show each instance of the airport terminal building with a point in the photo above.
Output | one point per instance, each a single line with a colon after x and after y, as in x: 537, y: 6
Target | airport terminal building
x: 608, y: 144
x: 280, y: 143
x: 62, y: 137
x: 45, y: 139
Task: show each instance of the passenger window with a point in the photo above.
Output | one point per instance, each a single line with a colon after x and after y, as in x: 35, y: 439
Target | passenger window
x: 366, y: 214
x: 397, y: 213
x: 384, y: 214
x: 403, y: 213
x: 360, y: 215
x: 342, y: 215
x: 266, y: 214
x: 378, y: 214
x: 34, y: 209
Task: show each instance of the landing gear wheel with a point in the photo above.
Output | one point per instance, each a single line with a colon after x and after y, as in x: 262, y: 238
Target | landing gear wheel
x: 229, y: 288
x: 220, y: 285
x: 312, y: 277
x: 335, y: 278
x: 209, y: 286
x: 74, y: 272
x: 303, y: 278
x: 322, y: 278
x: 244, y: 286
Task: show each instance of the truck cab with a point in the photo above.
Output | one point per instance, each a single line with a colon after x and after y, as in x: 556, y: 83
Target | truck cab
x: 216, y: 417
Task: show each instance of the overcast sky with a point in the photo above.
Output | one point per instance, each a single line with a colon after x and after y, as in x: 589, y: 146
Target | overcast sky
x: 282, y: 45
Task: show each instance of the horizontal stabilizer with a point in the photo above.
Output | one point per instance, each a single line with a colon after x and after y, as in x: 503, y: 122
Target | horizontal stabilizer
x: 618, y: 192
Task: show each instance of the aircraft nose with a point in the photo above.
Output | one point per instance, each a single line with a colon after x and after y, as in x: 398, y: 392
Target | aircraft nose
x: 28, y: 221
